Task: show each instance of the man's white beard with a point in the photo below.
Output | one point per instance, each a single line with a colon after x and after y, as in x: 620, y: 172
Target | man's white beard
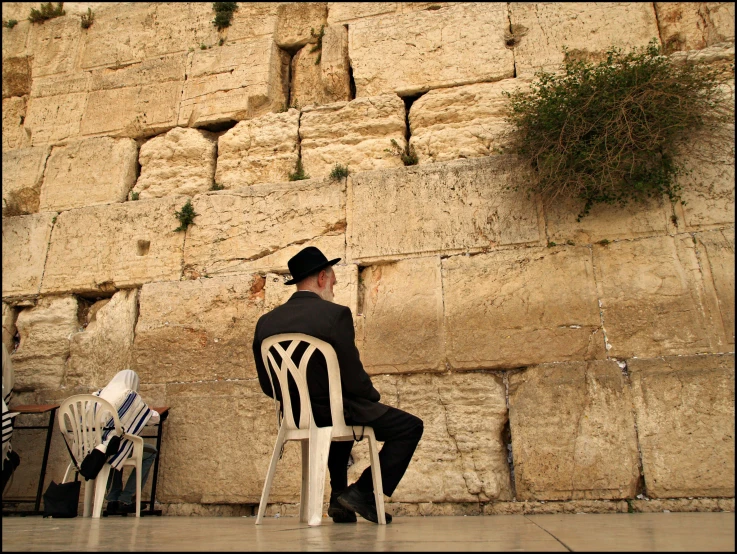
x: 326, y: 294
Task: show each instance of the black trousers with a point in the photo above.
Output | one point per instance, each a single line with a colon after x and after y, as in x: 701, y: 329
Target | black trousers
x: 399, y: 431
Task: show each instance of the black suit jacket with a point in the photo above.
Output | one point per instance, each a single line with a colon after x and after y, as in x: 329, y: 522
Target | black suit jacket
x: 305, y: 312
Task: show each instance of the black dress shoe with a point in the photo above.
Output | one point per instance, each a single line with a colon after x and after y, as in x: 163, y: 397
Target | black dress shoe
x: 362, y: 503
x: 112, y: 507
x: 127, y: 508
x: 338, y: 512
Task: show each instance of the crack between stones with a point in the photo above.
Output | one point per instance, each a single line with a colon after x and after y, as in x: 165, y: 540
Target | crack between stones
x: 657, y: 23
x: 447, y: 426
x: 587, y: 404
x: 607, y: 346
x: 640, y: 468
x: 722, y: 331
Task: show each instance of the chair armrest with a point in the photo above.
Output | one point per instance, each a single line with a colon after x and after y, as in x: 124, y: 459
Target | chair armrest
x: 133, y: 438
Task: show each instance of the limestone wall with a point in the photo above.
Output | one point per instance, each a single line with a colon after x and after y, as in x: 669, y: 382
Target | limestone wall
x: 558, y: 365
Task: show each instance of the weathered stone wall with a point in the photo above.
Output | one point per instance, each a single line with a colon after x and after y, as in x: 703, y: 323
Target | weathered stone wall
x: 558, y: 365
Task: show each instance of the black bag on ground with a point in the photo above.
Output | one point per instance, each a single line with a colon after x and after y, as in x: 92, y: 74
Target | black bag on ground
x: 62, y: 500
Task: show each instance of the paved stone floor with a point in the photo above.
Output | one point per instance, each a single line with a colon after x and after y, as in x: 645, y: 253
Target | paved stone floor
x: 565, y: 532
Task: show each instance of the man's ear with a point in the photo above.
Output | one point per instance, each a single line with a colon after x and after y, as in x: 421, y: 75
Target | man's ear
x: 322, y: 278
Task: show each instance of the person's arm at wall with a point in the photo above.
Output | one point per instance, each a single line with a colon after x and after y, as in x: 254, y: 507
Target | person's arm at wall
x: 155, y: 417
x: 353, y: 377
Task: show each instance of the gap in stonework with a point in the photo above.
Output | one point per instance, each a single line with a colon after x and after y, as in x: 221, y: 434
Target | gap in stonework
x: 408, y: 101
x: 220, y: 126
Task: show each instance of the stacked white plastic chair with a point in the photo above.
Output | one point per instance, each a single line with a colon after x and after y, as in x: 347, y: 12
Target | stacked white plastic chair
x: 81, y: 420
x: 315, y: 440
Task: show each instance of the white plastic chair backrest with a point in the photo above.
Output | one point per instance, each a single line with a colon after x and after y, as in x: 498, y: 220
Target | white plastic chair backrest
x: 299, y: 374
x: 82, y: 418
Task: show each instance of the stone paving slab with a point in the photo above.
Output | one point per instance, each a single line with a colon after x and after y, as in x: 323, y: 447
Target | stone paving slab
x: 549, y: 533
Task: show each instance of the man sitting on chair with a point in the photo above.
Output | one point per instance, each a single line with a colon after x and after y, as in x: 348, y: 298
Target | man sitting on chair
x: 311, y: 311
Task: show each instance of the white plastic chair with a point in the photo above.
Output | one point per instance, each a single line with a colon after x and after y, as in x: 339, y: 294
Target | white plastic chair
x: 315, y: 440
x: 81, y: 420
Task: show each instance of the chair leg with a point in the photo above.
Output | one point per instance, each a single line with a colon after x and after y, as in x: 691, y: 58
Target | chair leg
x: 319, y: 451
x: 305, y: 493
x: 100, y: 488
x: 89, y: 492
x: 376, y: 477
x: 270, y: 476
x: 139, y: 470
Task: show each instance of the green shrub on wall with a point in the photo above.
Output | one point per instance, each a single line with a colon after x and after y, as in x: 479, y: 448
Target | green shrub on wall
x: 610, y: 132
x: 223, y: 13
x: 47, y: 11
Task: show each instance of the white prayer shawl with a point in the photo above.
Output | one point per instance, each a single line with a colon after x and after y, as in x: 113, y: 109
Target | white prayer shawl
x: 133, y: 412
x: 7, y: 391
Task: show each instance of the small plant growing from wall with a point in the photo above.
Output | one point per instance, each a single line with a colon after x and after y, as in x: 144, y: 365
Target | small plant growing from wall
x: 318, y: 44
x: 46, y: 11
x: 223, y: 13
x: 299, y: 172
x: 339, y: 172
x: 134, y: 195
x: 10, y: 23
x: 185, y: 216
x: 611, y: 132
x: 87, y: 19
x: 217, y: 186
x: 408, y: 155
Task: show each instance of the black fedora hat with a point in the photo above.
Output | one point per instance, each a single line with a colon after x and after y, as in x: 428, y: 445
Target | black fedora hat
x: 306, y: 262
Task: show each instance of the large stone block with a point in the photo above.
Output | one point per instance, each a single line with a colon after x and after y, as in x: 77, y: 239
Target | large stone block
x: 23, y: 171
x: 25, y: 245
x: 322, y: 76
x: 14, y: 40
x: 298, y: 22
x: 402, y: 304
x: 14, y: 134
x: 606, y: 222
x: 104, y: 345
x: 335, y: 65
x: 355, y: 134
x: 52, y: 119
x: 65, y: 83
x: 585, y: 28
x: 652, y: 297
x: 10, y: 314
x: 101, y: 248
x: 709, y: 182
x: 260, y: 150
x: 461, y: 122
x: 198, y: 330
x: 715, y: 250
x: 89, y: 172
x: 40, y: 361
x: 449, y: 207
x: 458, y: 44
x: 54, y: 45
x: 573, y: 432
x: 516, y: 308
x: 16, y: 76
x: 118, y: 36
x: 685, y: 421
x: 181, y: 161
x: 226, y: 462
x: 694, y: 25
x: 348, y: 12
x: 134, y: 112
x: 234, y: 82
x: 461, y: 456
x: 181, y: 26
x: 259, y: 228
x: 252, y: 20
x: 148, y: 72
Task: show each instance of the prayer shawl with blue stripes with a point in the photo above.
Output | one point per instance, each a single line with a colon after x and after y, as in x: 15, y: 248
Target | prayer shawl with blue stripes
x: 8, y: 382
x: 133, y: 413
